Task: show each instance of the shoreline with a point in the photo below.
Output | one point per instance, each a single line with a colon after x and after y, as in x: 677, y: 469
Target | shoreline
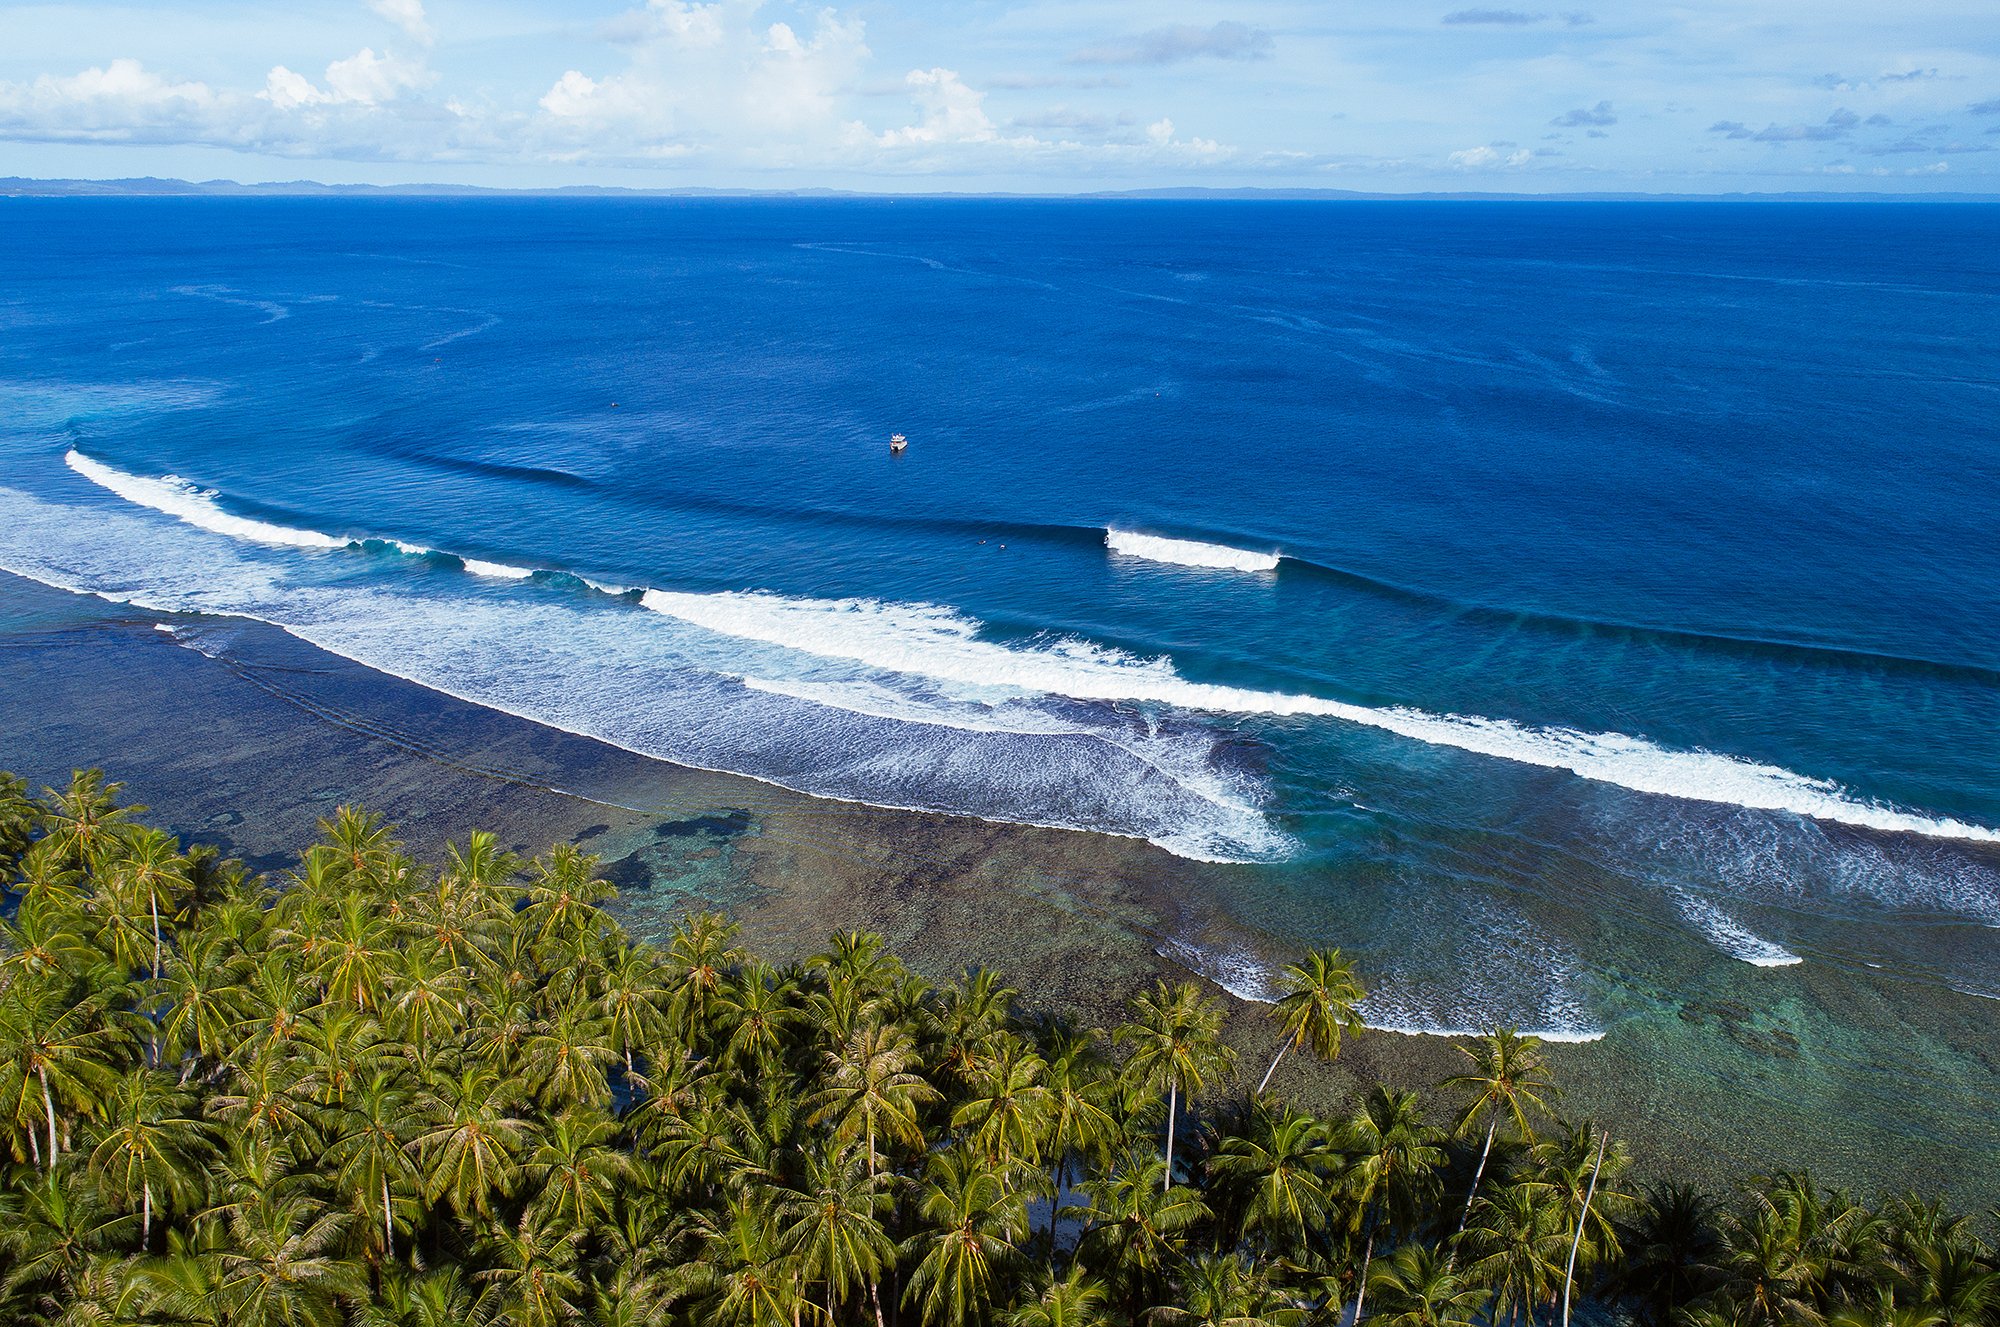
x: 1076, y: 920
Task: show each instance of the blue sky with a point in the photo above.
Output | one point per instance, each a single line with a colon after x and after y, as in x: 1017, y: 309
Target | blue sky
x: 897, y: 95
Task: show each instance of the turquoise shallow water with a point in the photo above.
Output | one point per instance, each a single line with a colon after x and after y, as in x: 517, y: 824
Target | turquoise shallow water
x: 1568, y: 608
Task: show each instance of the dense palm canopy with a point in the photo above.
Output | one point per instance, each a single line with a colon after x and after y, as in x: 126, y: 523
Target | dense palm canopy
x: 381, y: 1094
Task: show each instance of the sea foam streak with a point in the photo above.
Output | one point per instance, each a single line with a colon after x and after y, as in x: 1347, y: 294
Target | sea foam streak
x: 1187, y: 552
x: 196, y: 506
x: 1731, y: 936
x: 938, y: 642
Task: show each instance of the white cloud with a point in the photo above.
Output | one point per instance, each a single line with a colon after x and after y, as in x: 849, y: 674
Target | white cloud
x: 948, y: 112
x: 407, y: 15
x: 362, y: 79
x: 122, y: 101
x: 1482, y: 158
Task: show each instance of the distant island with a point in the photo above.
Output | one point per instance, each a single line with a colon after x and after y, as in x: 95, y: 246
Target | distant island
x: 152, y: 187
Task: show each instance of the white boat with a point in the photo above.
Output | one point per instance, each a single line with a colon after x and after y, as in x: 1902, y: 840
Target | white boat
x: 897, y: 442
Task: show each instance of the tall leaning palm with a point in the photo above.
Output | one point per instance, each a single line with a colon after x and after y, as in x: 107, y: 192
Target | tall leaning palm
x: 1317, y: 1007
x: 1176, y: 1040
x: 1507, y: 1082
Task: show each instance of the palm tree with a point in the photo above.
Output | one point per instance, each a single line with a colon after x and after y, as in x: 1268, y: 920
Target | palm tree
x: 634, y: 1002
x: 1394, y: 1159
x: 367, y: 1148
x: 1176, y: 1039
x: 1219, y: 1291
x: 281, y: 1265
x: 1281, y: 1164
x: 54, y: 1051
x: 1075, y: 1300
x: 976, y: 1224
x: 566, y: 1061
x: 533, y: 1273
x: 469, y: 1141
x: 700, y: 958
x: 50, y: 1241
x: 1418, y: 1286
x: 739, y: 1275
x: 1135, y: 1225
x: 1672, y: 1244
x: 151, y: 1146
x: 575, y: 1171
x: 1506, y: 1083
x: 873, y: 1090
x: 834, y: 1232
x: 1518, y: 1246
x: 1317, y: 1006
x: 85, y: 819
x: 1006, y: 1112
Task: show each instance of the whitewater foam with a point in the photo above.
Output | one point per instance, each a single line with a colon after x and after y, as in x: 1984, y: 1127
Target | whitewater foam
x: 1731, y: 936
x: 195, y: 506
x: 938, y: 642
x: 1187, y: 552
x: 941, y: 643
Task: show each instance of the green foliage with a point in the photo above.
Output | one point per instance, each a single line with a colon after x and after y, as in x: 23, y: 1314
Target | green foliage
x: 382, y: 1094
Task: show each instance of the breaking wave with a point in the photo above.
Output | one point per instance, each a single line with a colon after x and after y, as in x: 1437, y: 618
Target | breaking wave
x: 939, y: 644
x: 1187, y: 552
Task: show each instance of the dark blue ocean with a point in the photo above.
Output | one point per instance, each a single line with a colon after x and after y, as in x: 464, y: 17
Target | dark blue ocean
x: 1543, y: 601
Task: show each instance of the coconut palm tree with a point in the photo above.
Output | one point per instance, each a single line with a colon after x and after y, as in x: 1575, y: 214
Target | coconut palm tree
x: 1136, y: 1227
x: 1517, y: 1245
x: 1393, y: 1160
x: 281, y: 1265
x: 575, y: 1171
x: 833, y: 1231
x: 150, y: 1148
x: 1506, y: 1086
x: 1074, y: 1300
x: 1316, y: 1007
x: 58, y: 1056
x: 975, y: 1224
x: 1175, y: 1035
x: 85, y: 820
x: 872, y: 1090
x: 469, y: 1140
x: 1419, y: 1286
x: 1281, y: 1166
x: 739, y: 1274
x: 1007, y: 1108
x: 368, y: 1141
x: 1672, y: 1245
x: 1220, y: 1291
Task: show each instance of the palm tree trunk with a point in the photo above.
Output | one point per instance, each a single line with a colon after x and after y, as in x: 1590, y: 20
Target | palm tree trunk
x: 1361, y: 1290
x: 1173, y: 1105
x: 48, y: 1104
x: 388, y: 1221
x: 35, y: 1146
x: 875, y: 1299
x: 1283, y: 1046
x: 1492, y: 1126
x: 146, y: 1217
x: 1582, y: 1217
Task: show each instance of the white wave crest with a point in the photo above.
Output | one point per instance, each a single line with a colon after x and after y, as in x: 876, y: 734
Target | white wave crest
x: 1732, y: 937
x: 941, y: 643
x: 196, y: 506
x: 1187, y: 552
x: 496, y: 570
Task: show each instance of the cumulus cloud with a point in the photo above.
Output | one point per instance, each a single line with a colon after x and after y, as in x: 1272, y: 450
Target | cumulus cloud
x: 1600, y: 114
x: 1224, y: 41
x: 948, y: 112
x: 405, y: 14
x: 364, y: 79
x: 120, y: 102
x: 699, y: 77
x: 1488, y: 157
